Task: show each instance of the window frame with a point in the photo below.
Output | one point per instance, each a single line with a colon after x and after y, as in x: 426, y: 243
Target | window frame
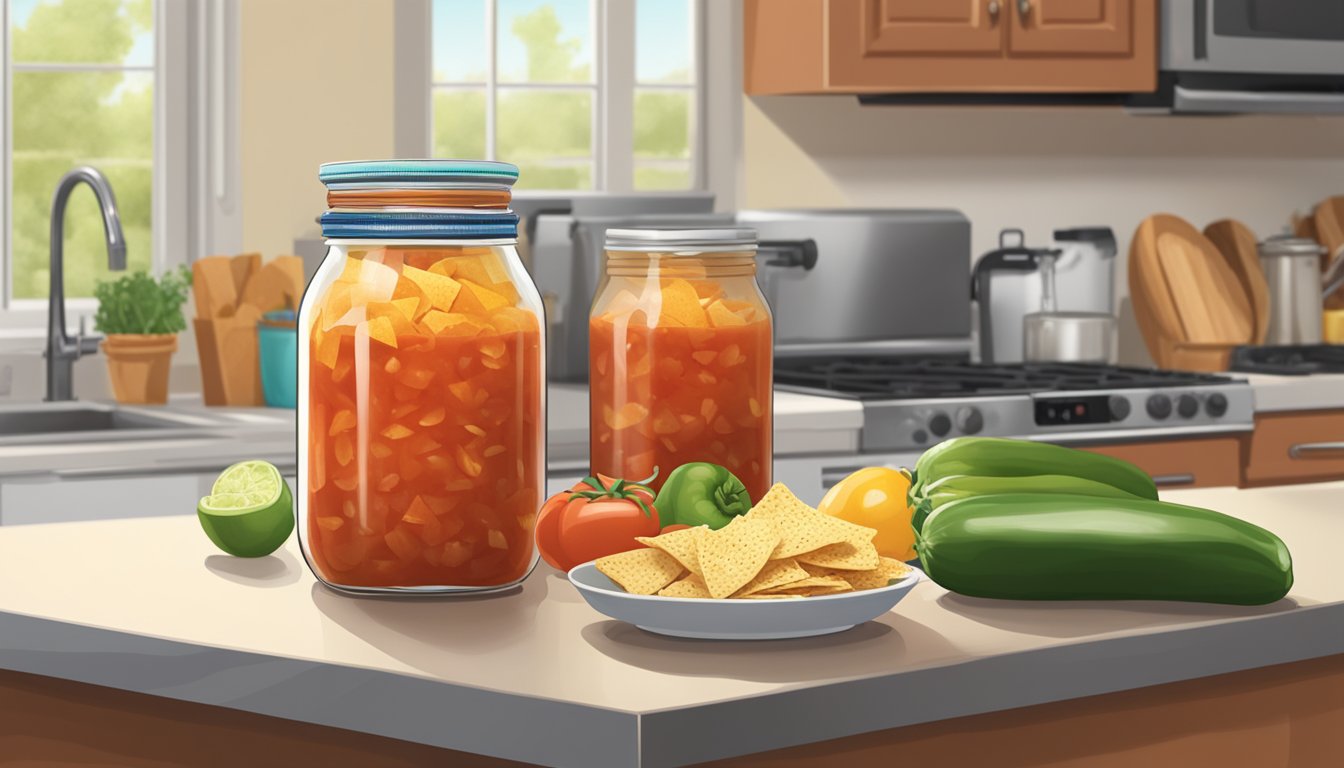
x: 171, y: 173
x: 614, y: 85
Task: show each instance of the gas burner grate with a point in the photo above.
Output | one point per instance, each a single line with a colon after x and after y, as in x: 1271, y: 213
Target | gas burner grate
x: 868, y: 378
x: 1289, y: 360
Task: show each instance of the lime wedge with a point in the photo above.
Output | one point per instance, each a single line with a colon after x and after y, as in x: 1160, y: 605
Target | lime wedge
x: 250, y: 511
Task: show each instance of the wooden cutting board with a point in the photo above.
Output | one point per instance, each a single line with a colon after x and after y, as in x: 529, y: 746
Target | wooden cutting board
x: 1237, y: 243
x: 1183, y: 290
x: 1329, y: 221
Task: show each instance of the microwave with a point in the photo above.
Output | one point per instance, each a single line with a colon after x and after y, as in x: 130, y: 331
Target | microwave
x: 1225, y: 56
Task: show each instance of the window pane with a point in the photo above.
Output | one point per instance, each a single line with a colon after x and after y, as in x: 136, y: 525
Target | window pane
x: 663, y: 44
x: 544, y: 41
x: 662, y: 123
x: 458, y: 39
x: 549, y: 135
x: 83, y: 31
x: 459, y: 123
x: 670, y: 174
x: 65, y: 119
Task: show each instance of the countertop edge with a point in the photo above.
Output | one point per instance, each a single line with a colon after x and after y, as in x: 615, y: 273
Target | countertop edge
x: 1008, y: 681
x: 428, y: 712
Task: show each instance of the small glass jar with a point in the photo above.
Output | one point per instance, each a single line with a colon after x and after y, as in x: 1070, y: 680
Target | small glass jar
x: 422, y: 427
x: 681, y: 356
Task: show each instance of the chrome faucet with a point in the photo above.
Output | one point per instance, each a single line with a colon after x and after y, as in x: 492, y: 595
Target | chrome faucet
x: 63, y: 351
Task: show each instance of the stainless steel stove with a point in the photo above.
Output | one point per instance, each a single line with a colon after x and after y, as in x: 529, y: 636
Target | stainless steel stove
x: 913, y: 402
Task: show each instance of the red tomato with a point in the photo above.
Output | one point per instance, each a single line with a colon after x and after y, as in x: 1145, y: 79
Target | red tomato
x: 574, y: 529
x: 593, y: 529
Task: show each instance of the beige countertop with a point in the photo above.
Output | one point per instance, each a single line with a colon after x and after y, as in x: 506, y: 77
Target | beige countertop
x: 1296, y: 393
x: 148, y: 605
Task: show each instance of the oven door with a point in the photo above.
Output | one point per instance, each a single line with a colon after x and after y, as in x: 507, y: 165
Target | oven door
x: 1265, y: 37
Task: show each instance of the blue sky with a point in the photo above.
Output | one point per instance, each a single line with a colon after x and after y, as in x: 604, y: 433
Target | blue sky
x: 662, y: 36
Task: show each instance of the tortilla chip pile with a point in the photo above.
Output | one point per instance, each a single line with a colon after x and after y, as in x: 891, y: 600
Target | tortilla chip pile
x: 781, y: 549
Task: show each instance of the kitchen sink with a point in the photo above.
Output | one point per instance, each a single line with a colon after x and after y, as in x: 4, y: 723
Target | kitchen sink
x: 79, y: 422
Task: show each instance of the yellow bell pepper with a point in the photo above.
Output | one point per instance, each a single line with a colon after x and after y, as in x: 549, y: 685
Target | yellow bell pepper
x: 875, y: 497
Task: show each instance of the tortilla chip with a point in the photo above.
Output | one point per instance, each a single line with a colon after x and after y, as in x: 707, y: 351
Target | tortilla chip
x: 681, y: 306
x: 774, y: 574
x: 771, y: 597
x: 857, y: 554
x: 688, y: 586
x: 887, y: 571
x: 641, y: 571
x: 801, y: 528
x: 733, y: 555
x: 813, y: 585
x: 440, y: 290
x: 680, y: 545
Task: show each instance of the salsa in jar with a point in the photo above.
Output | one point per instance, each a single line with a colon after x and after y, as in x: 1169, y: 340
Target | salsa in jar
x: 681, y: 357
x: 422, y: 424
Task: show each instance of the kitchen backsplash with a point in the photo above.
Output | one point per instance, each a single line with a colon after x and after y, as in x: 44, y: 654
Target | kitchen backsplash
x: 1039, y: 168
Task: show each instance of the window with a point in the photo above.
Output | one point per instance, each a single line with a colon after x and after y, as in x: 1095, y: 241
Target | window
x: 580, y: 94
x: 82, y: 92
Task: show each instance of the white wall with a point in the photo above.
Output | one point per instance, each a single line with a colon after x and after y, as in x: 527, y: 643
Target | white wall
x: 1038, y: 168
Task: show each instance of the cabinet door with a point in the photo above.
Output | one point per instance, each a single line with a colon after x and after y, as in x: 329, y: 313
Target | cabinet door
x: 932, y: 26
x: 1296, y: 447
x: 1071, y: 27
x: 1198, y: 462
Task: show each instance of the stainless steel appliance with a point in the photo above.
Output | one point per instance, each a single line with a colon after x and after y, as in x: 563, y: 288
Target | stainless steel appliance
x: 1008, y: 286
x: 852, y: 280
x: 912, y: 403
x: 883, y: 279
x: 1222, y: 56
x: 1292, y: 272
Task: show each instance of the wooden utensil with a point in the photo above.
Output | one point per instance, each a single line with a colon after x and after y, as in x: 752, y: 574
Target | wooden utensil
x: 213, y: 286
x: 1237, y: 243
x: 1329, y: 221
x: 1186, y: 297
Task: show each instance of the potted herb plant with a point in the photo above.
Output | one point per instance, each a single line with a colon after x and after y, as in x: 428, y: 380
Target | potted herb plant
x: 141, y: 317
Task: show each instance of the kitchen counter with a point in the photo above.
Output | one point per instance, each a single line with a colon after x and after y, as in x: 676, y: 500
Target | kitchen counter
x: 147, y: 605
x: 1296, y: 393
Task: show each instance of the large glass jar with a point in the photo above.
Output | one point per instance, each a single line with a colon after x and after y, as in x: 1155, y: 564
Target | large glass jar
x: 422, y: 426
x: 681, y: 356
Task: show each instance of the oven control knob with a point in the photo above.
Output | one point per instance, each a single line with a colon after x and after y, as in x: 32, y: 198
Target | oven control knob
x: 1187, y: 406
x: 1216, y: 405
x: 940, y: 424
x: 970, y: 420
x: 1159, y: 406
x: 1119, y: 407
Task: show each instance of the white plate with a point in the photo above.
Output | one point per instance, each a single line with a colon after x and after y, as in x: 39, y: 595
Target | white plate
x: 738, y: 619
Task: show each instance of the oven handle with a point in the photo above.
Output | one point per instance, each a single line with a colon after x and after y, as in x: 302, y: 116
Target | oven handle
x: 1167, y: 481
x: 1303, y: 450
x: 1193, y: 100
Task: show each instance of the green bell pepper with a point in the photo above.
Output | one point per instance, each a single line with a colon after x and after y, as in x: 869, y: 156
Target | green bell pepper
x: 701, y: 493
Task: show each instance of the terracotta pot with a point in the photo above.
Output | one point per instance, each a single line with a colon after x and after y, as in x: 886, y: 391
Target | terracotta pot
x: 138, y: 365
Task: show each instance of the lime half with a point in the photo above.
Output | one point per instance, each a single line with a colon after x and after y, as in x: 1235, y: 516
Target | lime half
x: 249, y: 512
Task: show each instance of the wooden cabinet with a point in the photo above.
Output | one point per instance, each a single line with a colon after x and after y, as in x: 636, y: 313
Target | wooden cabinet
x: 1295, y: 447
x: 1072, y: 27
x: 932, y: 26
x: 950, y: 46
x: 1188, y: 463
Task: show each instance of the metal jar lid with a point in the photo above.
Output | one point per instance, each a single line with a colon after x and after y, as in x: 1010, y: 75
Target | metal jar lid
x: 1287, y: 245
x: 735, y: 239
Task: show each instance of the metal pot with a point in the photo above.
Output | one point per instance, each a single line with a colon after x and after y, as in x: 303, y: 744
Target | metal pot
x: 1292, y: 268
x: 1074, y: 337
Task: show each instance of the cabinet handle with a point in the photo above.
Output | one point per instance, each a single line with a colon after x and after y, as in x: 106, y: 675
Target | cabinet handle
x: 1165, y: 480
x: 1023, y: 7
x: 993, y: 9
x: 1297, y: 451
